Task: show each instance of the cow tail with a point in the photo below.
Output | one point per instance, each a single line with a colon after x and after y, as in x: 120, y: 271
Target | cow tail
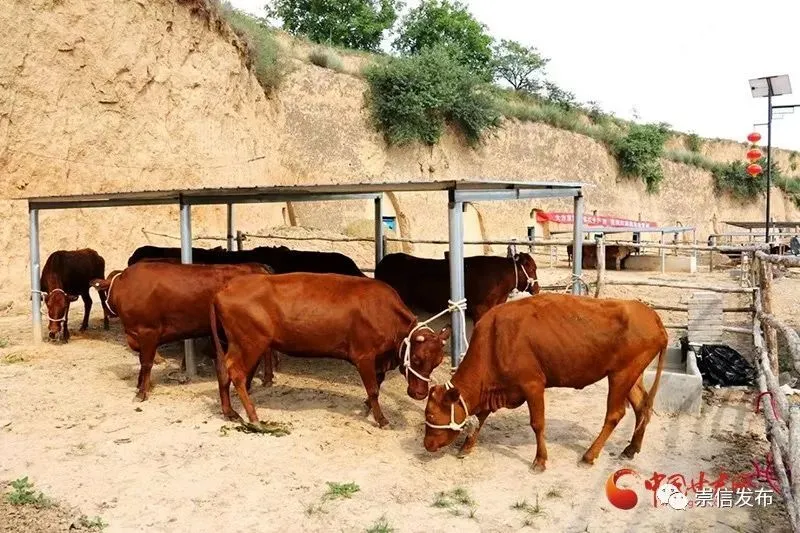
x: 100, y: 284
x: 651, y: 394
x: 215, y: 332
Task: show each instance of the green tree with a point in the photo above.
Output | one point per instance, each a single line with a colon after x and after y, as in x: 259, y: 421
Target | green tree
x: 450, y: 24
x: 560, y: 97
x: 412, y: 98
x: 358, y: 24
x: 519, y: 65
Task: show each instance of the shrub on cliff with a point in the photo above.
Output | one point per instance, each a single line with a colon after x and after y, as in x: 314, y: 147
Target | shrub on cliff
x: 639, y: 152
x: 264, y: 56
x: 732, y: 178
x: 413, y: 97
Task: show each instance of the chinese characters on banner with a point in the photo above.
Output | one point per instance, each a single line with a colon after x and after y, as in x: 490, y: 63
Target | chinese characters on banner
x: 592, y: 220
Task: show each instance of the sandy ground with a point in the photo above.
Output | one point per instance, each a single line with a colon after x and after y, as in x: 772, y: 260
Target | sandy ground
x: 168, y: 464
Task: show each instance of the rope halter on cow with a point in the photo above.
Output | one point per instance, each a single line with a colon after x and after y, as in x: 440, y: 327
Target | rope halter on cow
x: 405, y: 346
x: 455, y: 426
x: 44, y: 298
x: 512, y: 253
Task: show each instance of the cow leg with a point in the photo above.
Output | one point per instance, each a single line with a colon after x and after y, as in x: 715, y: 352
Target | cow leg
x: 106, y: 312
x: 270, y: 364
x: 534, y: 395
x: 366, y: 368
x: 224, y: 380
x: 252, y: 373
x: 381, y: 376
x: 234, y: 362
x: 618, y: 260
x: 65, y: 324
x: 469, y: 443
x: 618, y: 389
x: 636, y: 397
x: 87, y: 307
x: 147, y: 354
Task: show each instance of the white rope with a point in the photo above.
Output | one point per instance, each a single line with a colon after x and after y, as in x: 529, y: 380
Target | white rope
x: 44, y: 297
x: 108, y: 294
x: 455, y: 426
x: 405, y: 346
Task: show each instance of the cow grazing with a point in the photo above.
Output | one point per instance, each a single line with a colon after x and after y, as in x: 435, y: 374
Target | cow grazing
x: 488, y: 280
x: 553, y: 340
x: 158, y: 303
x: 66, y: 275
x: 360, y: 320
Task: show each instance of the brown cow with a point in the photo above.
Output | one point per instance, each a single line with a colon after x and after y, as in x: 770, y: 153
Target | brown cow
x: 160, y: 302
x: 488, y: 280
x: 360, y: 320
x: 523, y: 347
x: 66, y: 275
x: 615, y: 255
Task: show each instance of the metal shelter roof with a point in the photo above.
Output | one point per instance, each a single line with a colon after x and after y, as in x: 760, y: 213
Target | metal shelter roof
x: 762, y: 225
x: 467, y: 190
x: 661, y: 229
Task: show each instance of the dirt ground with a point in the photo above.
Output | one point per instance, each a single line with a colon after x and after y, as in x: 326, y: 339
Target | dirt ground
x: 67, y: 420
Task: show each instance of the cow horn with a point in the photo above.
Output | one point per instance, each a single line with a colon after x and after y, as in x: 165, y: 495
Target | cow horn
x: 419, y: 338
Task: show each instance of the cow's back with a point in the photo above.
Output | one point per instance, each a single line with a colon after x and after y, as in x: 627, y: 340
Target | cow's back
x: 73, y: 269
x: 297, y: 309
x: 572, y: 340
x: 171, y: 298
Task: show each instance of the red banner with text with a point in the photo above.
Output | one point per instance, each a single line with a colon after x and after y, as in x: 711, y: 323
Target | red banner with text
x: 594, y: 220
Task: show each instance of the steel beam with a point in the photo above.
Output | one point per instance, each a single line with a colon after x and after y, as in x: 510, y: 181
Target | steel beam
x: 108, y: 202
x: 577, y: 243
x: 513, y: 194
x: 378, y: 230
x: 36, y: 302
x: 273, y: 198
x: 186, y: 258
x: 231, y: 236
x: 456, y: 232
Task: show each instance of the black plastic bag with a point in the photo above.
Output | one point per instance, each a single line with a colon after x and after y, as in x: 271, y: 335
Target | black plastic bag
x: 722, y: 365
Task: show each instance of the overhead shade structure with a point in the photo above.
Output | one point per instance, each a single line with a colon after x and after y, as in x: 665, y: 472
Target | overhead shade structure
x: 459, y: 192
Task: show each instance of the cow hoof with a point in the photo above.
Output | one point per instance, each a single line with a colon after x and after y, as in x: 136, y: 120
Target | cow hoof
x: 82, y: 328
x: 587, y: 460
x: 538, y: 466
x: 464, y: 451
x: 140, y: 396
x: 233, y: 416
x: 383, y: 423
x: 629, y: 452
x: 266, y: 383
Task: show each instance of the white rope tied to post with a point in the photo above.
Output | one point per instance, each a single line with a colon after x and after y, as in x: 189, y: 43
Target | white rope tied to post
x: 515, y: 293
x: 108, y: 294
x: 572, y: 281
x: 405, y: 346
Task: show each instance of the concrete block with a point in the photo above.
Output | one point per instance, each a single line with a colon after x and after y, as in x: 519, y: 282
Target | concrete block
x: 672, y: 263
x: 680, y: 389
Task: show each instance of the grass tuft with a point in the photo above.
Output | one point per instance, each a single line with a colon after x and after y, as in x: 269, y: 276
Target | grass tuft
x: 92, y: 524
x: 340, y: 490
x: 326, y: 59
x: 24, y: 494
x: 381, y: 526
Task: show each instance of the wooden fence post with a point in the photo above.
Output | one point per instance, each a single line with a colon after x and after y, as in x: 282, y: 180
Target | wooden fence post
x: 239, y: 239
x: 766, y: 303
x: 601, y: 265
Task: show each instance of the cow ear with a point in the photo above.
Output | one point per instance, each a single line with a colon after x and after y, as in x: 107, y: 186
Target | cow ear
x: 451, y: 396
x: 445, y: 333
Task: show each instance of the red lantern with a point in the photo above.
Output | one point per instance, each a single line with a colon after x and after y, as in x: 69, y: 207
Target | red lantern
x: 754, y: 137
x: 754, y: 155
x: 754, y: 169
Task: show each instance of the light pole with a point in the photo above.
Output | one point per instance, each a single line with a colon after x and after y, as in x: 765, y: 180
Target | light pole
x: 770, y: 86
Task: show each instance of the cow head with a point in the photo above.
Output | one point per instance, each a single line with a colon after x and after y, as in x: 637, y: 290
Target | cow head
x: 525, y: 262
x: 426, y: 352
x: 445, y: 416
x: 57, y: 302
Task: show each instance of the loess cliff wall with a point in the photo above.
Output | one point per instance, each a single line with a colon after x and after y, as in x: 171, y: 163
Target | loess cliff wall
x: 123, y: 95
